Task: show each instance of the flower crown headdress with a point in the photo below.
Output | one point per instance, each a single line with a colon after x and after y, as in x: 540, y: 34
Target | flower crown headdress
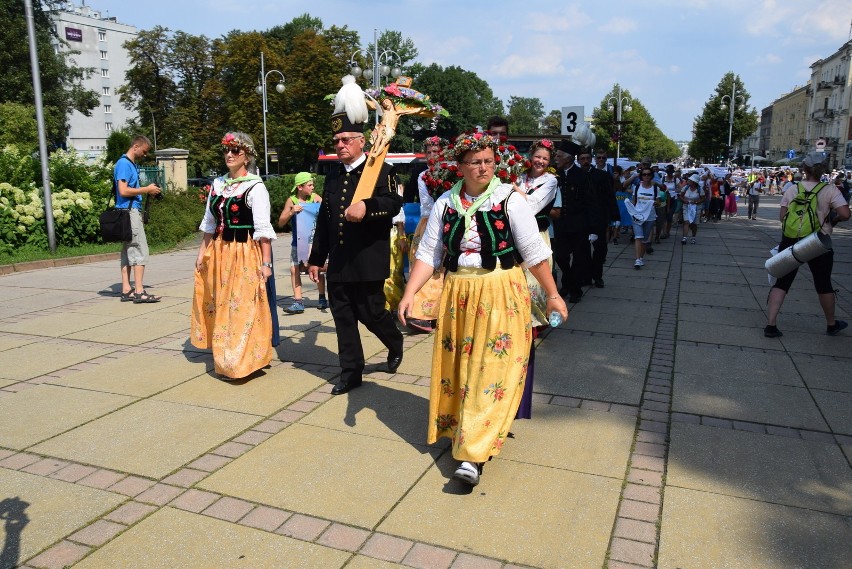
x: 231, y: 140
x: 509, y: 163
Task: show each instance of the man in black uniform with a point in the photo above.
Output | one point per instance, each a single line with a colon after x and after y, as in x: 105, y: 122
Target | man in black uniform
x: 571, y: 224
x: 355, y: 238
x: 603, y: 209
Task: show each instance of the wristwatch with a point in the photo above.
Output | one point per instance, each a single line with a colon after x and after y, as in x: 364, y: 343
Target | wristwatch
x: 266, y: 265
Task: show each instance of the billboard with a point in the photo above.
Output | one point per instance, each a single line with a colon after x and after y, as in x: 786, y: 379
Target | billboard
x: 73, y: 34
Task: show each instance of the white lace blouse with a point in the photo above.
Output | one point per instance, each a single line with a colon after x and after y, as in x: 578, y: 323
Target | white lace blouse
x: 257, y: 201
x: 545, y: 190
x: 525, y: 232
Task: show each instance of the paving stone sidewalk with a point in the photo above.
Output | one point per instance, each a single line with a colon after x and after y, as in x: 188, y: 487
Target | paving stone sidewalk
x: 667, y: 431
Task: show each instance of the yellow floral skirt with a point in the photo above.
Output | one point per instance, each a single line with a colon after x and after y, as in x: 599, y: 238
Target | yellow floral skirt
x: 230, y: 311
x: 395, y: 283
x: 537, y: 295
x: 425, y: 306
x: 479, y: 362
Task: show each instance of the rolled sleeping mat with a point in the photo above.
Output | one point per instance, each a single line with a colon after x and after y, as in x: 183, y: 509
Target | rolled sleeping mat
x: 801, y: 252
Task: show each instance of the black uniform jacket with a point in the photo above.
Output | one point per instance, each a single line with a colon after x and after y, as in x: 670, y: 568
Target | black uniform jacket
x: 356, y: 252
x: 576, y: 197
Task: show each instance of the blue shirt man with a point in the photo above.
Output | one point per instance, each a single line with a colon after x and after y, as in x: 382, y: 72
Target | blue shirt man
x: 128, y: 194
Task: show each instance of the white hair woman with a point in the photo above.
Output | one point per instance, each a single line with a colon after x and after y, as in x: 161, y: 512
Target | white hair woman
x: 232, y: 312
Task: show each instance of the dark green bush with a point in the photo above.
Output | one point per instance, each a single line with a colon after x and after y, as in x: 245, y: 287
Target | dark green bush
x: 174, y: 218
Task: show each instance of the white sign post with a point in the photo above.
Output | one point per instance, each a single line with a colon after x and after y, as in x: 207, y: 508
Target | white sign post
x: 572, y: 117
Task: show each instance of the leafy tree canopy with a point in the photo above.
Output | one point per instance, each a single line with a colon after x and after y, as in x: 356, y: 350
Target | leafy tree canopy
x: 711, y: 127
x: 525, y: 115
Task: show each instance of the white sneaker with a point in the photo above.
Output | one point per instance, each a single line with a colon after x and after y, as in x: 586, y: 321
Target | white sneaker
x: 638, y: 264
x: 467, y: 472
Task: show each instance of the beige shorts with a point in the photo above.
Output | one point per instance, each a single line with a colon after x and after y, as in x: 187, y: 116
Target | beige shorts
x: 135, y: 251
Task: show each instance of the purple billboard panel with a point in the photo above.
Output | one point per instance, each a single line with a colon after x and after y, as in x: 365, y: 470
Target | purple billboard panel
x: 73, y: 34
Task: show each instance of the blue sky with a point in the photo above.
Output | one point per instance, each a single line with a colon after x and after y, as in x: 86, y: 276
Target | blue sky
x: 670, y: 54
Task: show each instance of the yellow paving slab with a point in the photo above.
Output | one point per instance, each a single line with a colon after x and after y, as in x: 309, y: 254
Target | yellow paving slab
x: 32, y: 360
x: 41, y: 301
x: 150, y: 438
x: 5, y: 382
x: 141, y: 374
x: 523, y: 513
x: 58, y: 323
x: 732, y: 398
x: 341, y: 476
x: 43, y: 411
x: 183, y: 290
x: 8, y: 293
x: 262, y: 395
x: 383, y: 409
x: 10, y: 341
x: 112, y: 306
x: 417, y: 359
x: 707, y: 530
x: 139, y: 330
x: 795, y: 472
x: 39, y: 511
x: 173, y: 538
x: 317, y: 344
x: 593, y: 442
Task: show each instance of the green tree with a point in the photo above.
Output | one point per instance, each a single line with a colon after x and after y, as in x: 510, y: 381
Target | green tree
x: 525, y: 115
x: 287, y: 33
x: 552, y: 123
x: 18, y: 127
x: 469, y: 99
x: 711, y: 126
x: 61, y: 78
x: 304, y: 126
x: 118, y: 142
x: 640, y: 136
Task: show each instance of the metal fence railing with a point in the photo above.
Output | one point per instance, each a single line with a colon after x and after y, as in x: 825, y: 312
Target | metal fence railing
x: 152, y: 175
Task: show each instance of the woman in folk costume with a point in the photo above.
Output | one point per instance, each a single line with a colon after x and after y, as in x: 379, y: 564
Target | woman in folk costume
x: 539, y: 187
x: 395, y: 283
x: 484, y: 230
x: 232, y: 310
x: 425, y: 310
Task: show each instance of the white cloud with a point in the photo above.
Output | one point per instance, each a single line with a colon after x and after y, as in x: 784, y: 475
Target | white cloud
x: 517, y: 65
x: 619, y: 26
x: 674, y: 69
x: 566, y: 18
x: 768, y: 59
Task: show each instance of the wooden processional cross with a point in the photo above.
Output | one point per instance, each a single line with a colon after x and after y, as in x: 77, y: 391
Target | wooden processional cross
x: 381, y: 137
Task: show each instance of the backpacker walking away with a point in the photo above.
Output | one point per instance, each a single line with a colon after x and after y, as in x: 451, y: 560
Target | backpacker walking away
x: 807, y: 207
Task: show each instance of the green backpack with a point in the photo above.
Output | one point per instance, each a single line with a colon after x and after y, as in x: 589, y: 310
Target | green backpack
x: 801, y: 218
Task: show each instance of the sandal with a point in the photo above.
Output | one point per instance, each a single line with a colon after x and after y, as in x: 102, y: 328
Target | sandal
x: 127, y: 296
x: 145, y: 298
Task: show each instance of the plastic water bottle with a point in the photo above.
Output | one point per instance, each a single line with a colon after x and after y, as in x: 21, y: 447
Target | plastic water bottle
x: 555, y: 319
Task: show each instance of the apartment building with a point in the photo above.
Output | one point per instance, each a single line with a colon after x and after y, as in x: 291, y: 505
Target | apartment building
x: 99, y: 39
x: 829, y: 100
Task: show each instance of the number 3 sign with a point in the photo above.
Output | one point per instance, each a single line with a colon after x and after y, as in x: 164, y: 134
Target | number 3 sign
x: 572, y: 117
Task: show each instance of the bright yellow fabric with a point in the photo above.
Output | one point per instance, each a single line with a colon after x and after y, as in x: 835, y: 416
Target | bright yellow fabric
x: 230, y: 313
x: 479, y: 362
x: 395, y: 283
x: 425, y: 305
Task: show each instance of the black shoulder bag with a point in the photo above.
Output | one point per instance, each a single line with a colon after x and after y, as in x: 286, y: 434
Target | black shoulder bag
x: 115, y: 222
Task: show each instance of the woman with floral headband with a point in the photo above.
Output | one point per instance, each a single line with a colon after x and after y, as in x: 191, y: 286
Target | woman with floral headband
x: 232, y: 311
x: 481, y: 230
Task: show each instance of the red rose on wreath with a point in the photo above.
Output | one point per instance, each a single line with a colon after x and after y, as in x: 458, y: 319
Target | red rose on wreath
x: 499, y: 224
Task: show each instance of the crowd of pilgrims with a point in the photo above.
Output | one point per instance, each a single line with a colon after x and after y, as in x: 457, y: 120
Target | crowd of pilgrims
x: 482, y: 262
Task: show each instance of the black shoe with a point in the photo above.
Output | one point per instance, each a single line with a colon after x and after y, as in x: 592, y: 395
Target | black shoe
x: 394, y: 363
x: 345, y: 386
x: 575, y: 298
x: 649, y: 249
x: 836, y: 328
x: 599, y: 283
x: 772, y: 332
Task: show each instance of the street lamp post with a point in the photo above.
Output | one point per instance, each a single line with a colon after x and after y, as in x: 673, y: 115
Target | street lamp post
x: 732, y: 104
x: 378, y: 64
x: 615, y: 104
x: 261, y: 90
